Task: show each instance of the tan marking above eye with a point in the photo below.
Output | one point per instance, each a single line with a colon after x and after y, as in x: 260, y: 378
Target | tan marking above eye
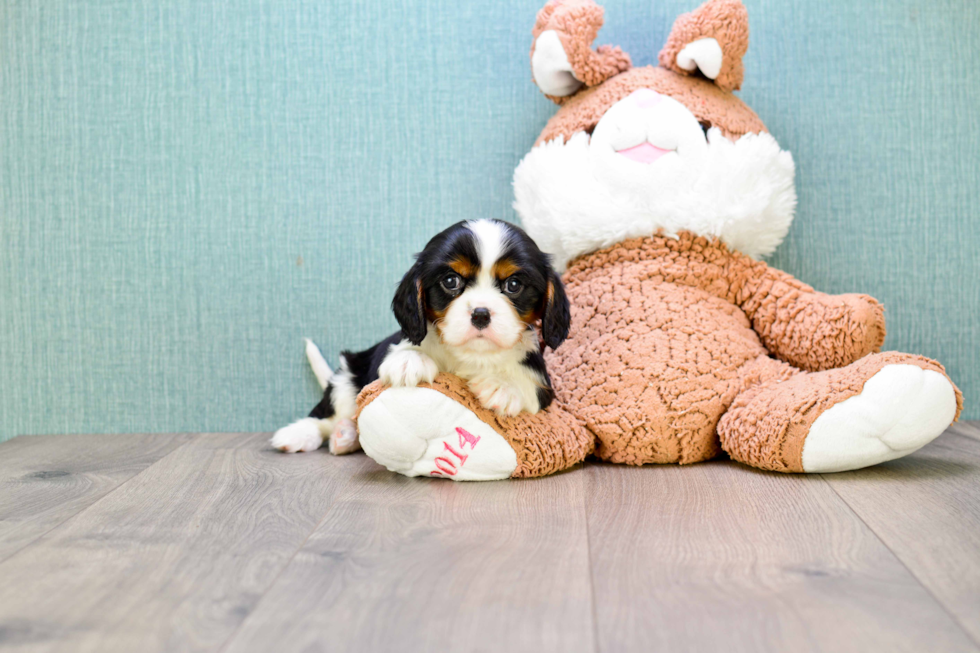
x: 504, y: 268
x: 463, y: 267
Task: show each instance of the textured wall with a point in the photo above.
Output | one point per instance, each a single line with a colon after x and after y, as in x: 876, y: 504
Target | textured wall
x: 187, y: 188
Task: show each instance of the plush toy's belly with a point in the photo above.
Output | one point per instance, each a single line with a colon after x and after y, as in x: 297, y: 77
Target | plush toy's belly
x: 652, y: 365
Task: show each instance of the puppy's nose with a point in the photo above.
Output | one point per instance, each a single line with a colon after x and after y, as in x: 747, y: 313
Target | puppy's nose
x: 480, y: 317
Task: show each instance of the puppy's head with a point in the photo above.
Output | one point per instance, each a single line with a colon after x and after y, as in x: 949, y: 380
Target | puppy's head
x: 481, y: 285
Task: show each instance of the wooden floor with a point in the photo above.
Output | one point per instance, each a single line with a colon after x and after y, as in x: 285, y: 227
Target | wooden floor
x: 143, y: 543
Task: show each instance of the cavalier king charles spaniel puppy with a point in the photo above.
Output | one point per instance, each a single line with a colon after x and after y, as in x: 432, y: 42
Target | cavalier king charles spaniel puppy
x: 468, y: 306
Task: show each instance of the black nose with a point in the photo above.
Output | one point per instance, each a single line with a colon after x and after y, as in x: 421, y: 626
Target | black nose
x: 480, y: 317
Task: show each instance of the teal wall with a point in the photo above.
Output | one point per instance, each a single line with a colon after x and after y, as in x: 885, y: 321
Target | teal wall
x: 187, y: 188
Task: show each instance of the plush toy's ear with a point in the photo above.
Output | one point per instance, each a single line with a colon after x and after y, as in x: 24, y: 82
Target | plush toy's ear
x: 561, y: 60
x: 409, y: 305
x: 556, y: 318
x: 712, y: 39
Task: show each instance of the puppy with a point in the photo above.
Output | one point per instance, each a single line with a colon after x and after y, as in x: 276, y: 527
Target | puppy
x: 468, y: 306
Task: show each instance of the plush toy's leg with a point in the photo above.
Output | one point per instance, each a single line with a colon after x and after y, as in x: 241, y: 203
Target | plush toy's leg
x: 440, y: 430
x: 881, y: 407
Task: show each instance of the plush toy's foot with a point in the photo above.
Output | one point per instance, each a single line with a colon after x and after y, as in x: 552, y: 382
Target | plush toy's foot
x: 441, y: 430
x: 421, y: 432
x: 879, y: 408
x: 901, y: 409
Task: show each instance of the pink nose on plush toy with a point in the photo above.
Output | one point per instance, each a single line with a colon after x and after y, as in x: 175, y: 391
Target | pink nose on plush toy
x: 646, y: 98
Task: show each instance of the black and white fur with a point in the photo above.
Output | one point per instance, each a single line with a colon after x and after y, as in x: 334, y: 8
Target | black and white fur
x: 468, y: 306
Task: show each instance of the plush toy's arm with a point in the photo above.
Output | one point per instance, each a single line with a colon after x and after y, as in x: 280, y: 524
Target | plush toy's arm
x: 808, y: 329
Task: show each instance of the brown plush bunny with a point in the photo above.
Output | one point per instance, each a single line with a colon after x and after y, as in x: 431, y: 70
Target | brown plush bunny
x: 657, y: 188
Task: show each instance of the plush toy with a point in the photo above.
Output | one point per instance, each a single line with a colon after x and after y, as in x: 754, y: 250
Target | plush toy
x: 657, y: 189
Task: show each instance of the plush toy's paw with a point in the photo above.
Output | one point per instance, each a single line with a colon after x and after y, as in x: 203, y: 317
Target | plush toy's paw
x: 407, y: 368
x: 422, y: 432
x: 881, y: 407
x: 900, y: 409
x: 441, y: 430
x: 303, y: 435
x: 500, y: 398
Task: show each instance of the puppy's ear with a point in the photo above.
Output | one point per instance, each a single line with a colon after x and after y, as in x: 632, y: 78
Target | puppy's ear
x: 556, y: 318
x: 409, y: 305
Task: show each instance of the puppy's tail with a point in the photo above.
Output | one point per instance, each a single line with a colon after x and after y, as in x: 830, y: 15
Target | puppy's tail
x: 321, y: 370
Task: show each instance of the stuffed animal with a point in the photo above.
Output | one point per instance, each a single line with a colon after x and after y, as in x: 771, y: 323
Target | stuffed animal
x: 657, y: 190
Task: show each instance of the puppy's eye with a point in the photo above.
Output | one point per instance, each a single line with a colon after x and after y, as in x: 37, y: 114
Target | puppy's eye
x: 513, y: 286
x: 451, y: 282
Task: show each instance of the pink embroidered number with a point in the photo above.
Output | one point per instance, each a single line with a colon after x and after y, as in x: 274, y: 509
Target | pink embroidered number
x: 465, y: 437
x: 446, y: 465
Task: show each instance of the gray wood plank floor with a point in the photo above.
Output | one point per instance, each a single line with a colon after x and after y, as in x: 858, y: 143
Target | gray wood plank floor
x: 214, y: 542
x: 43, y: 482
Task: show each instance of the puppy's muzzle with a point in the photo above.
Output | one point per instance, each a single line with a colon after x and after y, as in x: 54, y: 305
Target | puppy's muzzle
x: 480, y: 318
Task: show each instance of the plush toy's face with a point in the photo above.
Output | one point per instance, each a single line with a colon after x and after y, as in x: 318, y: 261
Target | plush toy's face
x: 637, y: 150
x: 644, y: 128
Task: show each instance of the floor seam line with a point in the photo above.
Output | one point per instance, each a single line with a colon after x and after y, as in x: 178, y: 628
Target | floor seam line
x: 588, y: 550
x: 925, y: 587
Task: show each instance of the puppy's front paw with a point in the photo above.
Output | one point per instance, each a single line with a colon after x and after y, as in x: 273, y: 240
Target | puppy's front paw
x: 407, y: 367
x: 502, y: 398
